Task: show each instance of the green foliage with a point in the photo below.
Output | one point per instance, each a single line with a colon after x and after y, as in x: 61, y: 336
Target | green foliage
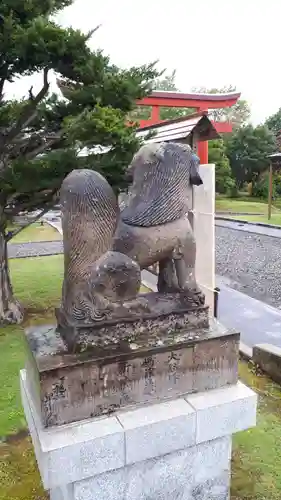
x: 163, y: 83
x: 224, y: 181
x: 260, y: 188
x: 238, y: 114
x: 247, y: 149
x: 42, y: 136
x: 274, y: 124
x: 233, y: 191
x: 167, y: 83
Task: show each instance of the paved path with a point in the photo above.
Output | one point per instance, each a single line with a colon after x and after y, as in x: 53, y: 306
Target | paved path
x: 34, y: 249
x: 250, y: 228
x: 257, y: 322
x: 37, y: 248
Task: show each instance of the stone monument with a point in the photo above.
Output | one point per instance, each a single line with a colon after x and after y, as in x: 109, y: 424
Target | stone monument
x: 133, y: 396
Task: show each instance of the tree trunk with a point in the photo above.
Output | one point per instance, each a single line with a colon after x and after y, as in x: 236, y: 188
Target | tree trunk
x: 10, y: 309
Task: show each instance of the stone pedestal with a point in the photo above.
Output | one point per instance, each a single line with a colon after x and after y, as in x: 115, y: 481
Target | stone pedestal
x: 147, y: 418
x: 103, y: 376
x: 175, y: 449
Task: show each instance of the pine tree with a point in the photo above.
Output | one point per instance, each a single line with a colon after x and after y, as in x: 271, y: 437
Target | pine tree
x: 43, y: 134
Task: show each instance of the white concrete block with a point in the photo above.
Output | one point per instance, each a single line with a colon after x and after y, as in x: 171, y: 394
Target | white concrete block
x: 204, y: 231
x: 211, y: 457
x: 63, y: 493
x: 171, y: 476
x: 158, y: 429
x: 215, y: 488
x: 222, y: 412
x: 74, y: 451
x: 41, y: 458
x: 108, y: 486
x: 204, y: 195
x: 205, y: 251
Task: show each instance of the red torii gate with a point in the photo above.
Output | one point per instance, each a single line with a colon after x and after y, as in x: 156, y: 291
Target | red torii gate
x: 201, y: 102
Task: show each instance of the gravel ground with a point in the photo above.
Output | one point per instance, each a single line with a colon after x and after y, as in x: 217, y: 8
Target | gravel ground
x: 251, y: 263
x: 16, y: 250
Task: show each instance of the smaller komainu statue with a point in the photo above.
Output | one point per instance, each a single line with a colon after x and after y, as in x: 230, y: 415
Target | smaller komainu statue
x: 104, y: 251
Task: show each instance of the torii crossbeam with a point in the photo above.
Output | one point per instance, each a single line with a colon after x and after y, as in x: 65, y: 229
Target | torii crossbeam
x: 199, y: 102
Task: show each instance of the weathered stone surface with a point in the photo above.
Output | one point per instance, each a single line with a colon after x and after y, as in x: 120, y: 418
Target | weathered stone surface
x: 106, y: 377
x: 268, y: 357
x: 153, y: 226
x: 75, y: 451
x: 152, y: 314
x: 104, y: 251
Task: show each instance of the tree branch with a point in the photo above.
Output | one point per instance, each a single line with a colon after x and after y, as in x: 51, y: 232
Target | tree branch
x: 49, y: 199
x: 12, y: 234
x: 30, y: 93
x: 2, y: 83
x: 91, y: 32
x: 30, y: 155
x: 30, y: 112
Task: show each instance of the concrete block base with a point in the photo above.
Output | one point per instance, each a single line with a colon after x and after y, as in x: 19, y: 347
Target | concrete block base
x: 268, y: 357
x: 175, y: 449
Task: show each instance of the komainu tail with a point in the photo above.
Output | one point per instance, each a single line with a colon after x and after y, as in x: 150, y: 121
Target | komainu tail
x: 90, y: 215
x: 96, y: 279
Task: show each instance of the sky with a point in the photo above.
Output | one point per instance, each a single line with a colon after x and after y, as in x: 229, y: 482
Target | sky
x: 210, y: 43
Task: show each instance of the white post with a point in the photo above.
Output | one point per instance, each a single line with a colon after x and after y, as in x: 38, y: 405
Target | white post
x: 203, y: 207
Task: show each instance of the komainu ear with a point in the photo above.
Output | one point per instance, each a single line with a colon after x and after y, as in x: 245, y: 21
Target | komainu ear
x: 195, y: 178
x: 160, y: 151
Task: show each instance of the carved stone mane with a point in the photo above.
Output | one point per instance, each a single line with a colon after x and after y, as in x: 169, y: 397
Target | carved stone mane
x: 161, y: 183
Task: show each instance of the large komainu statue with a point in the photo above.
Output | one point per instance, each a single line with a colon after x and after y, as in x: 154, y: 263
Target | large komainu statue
x: 104, y: 251
x: 154, y: 226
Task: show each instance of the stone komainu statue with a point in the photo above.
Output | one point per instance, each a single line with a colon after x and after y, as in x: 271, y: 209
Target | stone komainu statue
x: 105, y: 250
x: 154, y: 226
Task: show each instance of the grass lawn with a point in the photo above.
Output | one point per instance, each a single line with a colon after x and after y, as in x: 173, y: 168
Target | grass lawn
x: 36, y: 232
x: 256, y: 458
x: 237, y: 205
x: 37, y: 283
x: 256, y: 468
x: 275, y: 218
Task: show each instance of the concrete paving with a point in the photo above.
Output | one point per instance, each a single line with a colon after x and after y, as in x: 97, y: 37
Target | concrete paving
x: 250, y: 228
x: 256, y: 321
x: 34, y: 249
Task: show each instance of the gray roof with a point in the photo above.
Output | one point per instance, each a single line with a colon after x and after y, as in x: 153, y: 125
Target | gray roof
x: 179, y: 130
